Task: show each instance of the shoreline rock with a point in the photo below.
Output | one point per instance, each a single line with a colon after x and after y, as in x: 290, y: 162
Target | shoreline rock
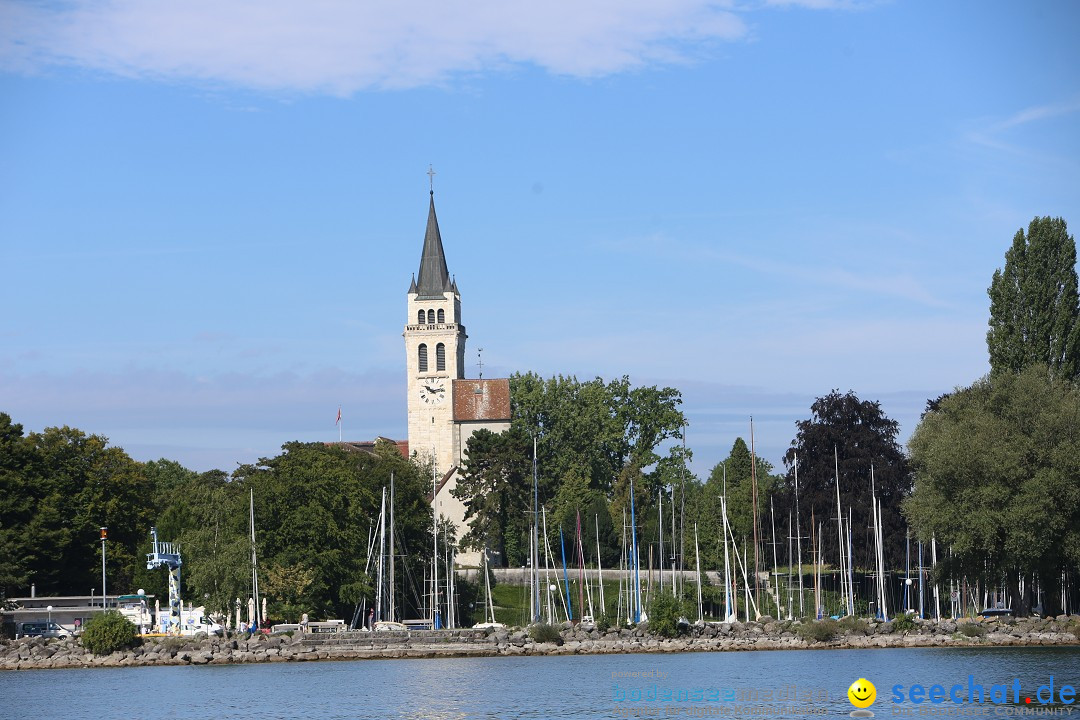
x: 37, y: 653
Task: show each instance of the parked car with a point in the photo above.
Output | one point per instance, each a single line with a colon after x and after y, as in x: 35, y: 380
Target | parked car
x: 43, y: 629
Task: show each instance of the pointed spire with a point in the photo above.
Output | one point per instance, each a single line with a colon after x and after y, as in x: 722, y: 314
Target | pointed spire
x: 412, y: 285
x: 433, y: 278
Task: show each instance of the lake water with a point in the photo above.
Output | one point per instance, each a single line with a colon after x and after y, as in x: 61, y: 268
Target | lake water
x: 787, y: 684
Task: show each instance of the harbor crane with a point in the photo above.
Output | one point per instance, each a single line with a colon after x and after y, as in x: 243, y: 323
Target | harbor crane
x: 168, y: 554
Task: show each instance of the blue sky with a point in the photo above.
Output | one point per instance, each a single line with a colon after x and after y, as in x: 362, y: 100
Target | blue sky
x: 210, y: 211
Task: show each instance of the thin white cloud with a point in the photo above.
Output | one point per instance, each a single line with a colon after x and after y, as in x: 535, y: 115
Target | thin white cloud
x: 894, y: 284
x: 992, y: 132
x: 341, y: 47
x: 821, y: 4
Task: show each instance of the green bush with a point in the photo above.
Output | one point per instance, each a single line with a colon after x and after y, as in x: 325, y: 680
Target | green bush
x: 855, y: 625
x: 109, y: 632
x: 818, y: 630
x: 603, y: 623
x: 664, y: 613
x: 544, y: 633
x: 903, y: 622
x: 972, y: 630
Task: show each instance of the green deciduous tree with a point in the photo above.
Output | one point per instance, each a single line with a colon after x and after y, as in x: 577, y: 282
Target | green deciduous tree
x: 79, y: 483
x: 214, y: 538
x: 1034, y: 308
x: 592, y: 428
x: 314, y: 506
x: 997, y: 467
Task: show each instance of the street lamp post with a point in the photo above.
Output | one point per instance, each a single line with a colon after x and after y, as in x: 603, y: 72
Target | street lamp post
x: 104, y: 535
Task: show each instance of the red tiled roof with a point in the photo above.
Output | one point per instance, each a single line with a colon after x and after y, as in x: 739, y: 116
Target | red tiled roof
x: 368, y: 446
x: 476, y: 400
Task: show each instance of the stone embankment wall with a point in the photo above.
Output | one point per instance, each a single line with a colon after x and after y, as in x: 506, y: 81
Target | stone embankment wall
x: 33, y: 653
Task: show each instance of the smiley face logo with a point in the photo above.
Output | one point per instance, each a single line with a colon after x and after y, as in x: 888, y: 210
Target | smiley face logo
x: 862, y: 693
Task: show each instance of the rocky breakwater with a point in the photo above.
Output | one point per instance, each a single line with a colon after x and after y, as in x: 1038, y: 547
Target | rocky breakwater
x: 35, y: 653
x: 767, y: 634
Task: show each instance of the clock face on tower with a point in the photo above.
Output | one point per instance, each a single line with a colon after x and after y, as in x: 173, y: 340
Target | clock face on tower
x: 432, y: 390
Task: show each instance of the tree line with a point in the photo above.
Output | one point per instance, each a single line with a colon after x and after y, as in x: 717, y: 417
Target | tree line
x: 992, y: 474
x: 315, y: 510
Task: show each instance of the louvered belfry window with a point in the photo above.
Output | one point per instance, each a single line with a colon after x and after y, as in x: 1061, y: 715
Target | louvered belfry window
x: 440, y: 357
x: 421, y: 353
x: 442, y: 316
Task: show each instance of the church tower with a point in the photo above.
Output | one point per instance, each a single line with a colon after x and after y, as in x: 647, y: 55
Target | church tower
x: 435, y: 353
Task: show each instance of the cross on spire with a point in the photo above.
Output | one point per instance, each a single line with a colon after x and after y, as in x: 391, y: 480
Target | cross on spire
x: 431, y: 178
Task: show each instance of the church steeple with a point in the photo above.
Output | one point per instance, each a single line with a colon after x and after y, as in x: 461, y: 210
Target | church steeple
x: 433, y: 279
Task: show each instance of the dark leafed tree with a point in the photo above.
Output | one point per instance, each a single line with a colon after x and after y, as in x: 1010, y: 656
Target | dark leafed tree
x: 1034, y: 310
x: 996, y: 468
x: 16, y: 509
x: 861, y: 435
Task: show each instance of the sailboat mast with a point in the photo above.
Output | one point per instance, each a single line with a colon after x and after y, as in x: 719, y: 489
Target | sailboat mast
x: 661, y: 512
x: 727, y: 566
x: 907, y: 571
x: 920, y: 572
x: 535, y: 541
x: 393, y: 615
x: 874, y: 530
x: 623, y: 573
x: 434, y: 542
x: 547, y: 568
x: 581, y: 570
x: 798, y: 536
x: 851, y: 567
x: 382, y: 551
x: 789, y: 592
x: 839, y: 529
x: 633, y: 539
x: 449, y: 582
x: 487, y: 585
x: 254, y: 561
x: 933, y: 566
x: 881, y: 565
x: 681, y: 544
x: 697, y: 570
x: 753, y: 485
x: 775, y: 572
x: 566, y: 576
x: 674, y: 552
x: 814, y: 556
x: 599, y: 566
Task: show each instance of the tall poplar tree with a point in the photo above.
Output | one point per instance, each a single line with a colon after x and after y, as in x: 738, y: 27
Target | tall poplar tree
x: 1034, y: 308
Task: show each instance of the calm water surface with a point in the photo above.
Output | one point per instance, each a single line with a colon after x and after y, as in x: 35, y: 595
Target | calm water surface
x: 533, y: 687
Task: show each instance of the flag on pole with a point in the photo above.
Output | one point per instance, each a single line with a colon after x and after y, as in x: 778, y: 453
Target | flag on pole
x: 338, y: 421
